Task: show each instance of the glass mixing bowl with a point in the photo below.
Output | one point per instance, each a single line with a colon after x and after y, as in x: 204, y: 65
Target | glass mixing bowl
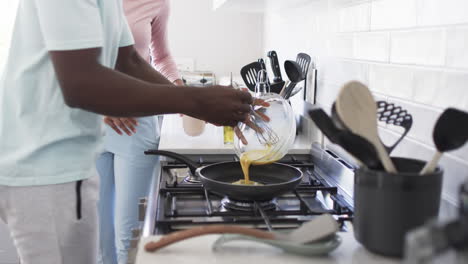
x: 282, y: 123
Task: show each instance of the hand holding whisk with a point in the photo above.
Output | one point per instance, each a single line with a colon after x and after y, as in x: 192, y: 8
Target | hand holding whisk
x: 257, y: 120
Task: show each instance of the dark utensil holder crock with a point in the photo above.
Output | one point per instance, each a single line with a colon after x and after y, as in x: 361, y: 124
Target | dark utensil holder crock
x: 387, y: 206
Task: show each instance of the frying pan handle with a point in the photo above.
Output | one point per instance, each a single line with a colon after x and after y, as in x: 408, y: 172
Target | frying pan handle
x: 191, y: 164
x: 204, y: 230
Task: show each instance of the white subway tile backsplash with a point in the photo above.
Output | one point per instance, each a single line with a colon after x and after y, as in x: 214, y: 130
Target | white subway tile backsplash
x: 424, y: 119
x: 390, y: 14
x: 411, y: 52
x: 455, y: 91
x: 442, y: 12
x: 424, y: 47
x: 355, y: 18
x: 339, y: 71
x: 457, y: 43
x: 391, y: 80
x: 461, y: 153
x: 372, y: 46
x: 426, y: 85
x: 327, y: 92
x: 341, y: 45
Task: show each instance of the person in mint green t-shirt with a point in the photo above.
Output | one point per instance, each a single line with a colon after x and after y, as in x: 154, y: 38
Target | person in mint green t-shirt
x: 70, y: 61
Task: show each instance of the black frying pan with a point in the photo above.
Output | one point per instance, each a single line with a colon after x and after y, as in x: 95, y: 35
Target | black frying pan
x: 218, y: 178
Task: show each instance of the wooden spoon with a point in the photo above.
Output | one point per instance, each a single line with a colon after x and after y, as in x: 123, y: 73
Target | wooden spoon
x: 358, y: 111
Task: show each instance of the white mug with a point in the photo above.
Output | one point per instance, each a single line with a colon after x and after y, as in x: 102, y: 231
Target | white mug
x: 192, y: 126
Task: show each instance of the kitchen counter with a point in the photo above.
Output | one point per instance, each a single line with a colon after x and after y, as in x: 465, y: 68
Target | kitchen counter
x: 173, y: 138
x: 198, y: 250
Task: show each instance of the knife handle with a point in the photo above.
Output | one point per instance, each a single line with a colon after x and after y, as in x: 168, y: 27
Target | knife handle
x: 204, y: 230
x: 275, y: 66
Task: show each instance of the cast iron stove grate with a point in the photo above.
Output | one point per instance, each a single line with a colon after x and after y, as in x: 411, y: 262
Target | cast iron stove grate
x: 183, y: 205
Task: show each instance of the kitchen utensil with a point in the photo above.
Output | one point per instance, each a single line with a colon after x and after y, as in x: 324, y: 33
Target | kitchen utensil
x: 275, y: 67
x: 262, y: 63
x: 387, y: 206
x: 336, y: 118
x: 394, y: 115
x: 358, y: 110
x: 265, y: 134
x: 304, y: 61
x: 388, y: 113
x: 249, y: 74
x: 450, y: 133
x: 295, y: 75
x: 278, y: 82
x: 357, y: 146
x: 218, y: 178
x: 320, y: 228
x: 274, y: 141
x: 320, y: 247
x: 263, y: 66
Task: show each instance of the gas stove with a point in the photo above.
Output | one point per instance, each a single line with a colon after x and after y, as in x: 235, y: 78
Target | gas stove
x: 178, y: 202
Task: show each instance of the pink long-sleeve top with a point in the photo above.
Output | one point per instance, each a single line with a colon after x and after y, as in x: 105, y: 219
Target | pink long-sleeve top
x: 148, y: 21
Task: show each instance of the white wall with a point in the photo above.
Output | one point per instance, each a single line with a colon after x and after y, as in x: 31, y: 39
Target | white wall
x: 411, y: 52
x: 218, y: 41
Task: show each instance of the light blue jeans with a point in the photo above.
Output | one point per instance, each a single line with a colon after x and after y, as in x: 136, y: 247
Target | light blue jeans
x: 125, y: 174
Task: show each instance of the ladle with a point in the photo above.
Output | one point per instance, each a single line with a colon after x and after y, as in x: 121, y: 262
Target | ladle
x: 295, y: 75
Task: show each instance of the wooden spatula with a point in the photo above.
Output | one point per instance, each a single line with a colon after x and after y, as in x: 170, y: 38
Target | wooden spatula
x: 358, y: 110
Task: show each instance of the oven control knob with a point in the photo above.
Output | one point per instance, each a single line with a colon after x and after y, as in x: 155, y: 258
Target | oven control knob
x: 142, y: 208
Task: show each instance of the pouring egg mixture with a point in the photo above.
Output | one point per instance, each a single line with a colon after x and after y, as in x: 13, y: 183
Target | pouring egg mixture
x: 254, y: 157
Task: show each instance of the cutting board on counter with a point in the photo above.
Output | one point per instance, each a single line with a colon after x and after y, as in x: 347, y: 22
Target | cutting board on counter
x: 199, y: 250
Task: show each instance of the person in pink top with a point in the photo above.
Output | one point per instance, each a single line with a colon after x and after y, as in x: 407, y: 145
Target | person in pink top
x: 125, y: 172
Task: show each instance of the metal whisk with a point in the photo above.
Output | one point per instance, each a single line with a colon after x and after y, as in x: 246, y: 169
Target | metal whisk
x: 265, y: 134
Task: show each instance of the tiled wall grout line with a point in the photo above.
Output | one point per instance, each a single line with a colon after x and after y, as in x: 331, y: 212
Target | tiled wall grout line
x: 411, y: 52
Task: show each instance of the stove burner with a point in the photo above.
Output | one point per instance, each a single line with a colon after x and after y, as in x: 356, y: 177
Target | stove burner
x: 190, y: 178
x: 246, y: 205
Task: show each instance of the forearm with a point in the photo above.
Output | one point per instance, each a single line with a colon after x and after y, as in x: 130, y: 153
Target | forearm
x: 88, y: 85
x: 112, y: 93
x: 134, y: 65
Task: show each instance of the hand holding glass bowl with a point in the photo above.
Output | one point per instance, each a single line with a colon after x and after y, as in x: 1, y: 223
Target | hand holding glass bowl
x: 268, y: 133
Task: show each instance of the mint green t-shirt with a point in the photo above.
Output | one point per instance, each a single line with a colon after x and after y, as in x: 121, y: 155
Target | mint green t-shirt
x: 42, y: 140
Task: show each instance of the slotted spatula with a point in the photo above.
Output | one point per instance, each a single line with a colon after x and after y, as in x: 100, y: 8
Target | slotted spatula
x: 249, y: 74
x: 394, y: 115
